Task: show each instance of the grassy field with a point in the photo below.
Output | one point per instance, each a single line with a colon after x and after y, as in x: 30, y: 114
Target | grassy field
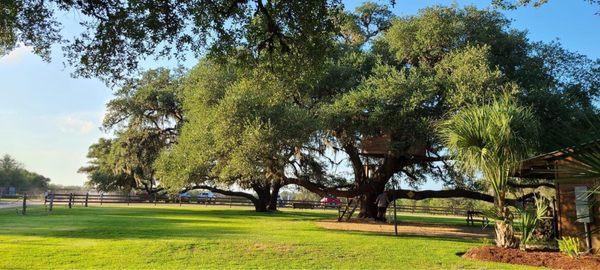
x: 174, y: 237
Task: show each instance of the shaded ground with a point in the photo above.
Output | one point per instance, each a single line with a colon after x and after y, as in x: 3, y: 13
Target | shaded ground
x: 411, y: 228
x: 555, y: 260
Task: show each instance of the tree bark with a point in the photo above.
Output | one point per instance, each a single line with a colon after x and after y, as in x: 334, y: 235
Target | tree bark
x: 260, y: 205
x: 264, y: 196
x: 274, y: 196
x: 368, y: 207
x: 452, y: 193
x: 505, y: 235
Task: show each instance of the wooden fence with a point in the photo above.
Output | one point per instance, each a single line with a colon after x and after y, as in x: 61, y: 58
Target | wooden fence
x: 71, y: 199
x: 432, y: 210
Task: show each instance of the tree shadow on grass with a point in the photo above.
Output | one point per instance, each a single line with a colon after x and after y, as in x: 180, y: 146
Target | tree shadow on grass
x: 128, y: 228
x: 143, y: 223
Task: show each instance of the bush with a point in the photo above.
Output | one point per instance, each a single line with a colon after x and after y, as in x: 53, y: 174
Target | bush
x: 531, y: 218
x: 570, y: 246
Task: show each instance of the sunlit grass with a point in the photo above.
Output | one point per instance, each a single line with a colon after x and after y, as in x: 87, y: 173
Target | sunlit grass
x: 174, y: 237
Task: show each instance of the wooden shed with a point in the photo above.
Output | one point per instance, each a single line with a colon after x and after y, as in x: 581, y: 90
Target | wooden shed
x: 552, y: 166
x: 380, y: 146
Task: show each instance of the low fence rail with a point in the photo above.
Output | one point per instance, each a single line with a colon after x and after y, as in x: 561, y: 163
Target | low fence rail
x: 72, y: 199
x: 433, y: 210
x: 84, y: 199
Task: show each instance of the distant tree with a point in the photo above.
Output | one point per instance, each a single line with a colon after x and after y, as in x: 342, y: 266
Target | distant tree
x: 12, y: 174
x: 101, y: 169
x: 68, y: 188
x: 305, y: 195
x: 145, y: 117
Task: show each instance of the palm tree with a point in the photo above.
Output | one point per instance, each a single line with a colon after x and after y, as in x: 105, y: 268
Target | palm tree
x: 491, y: 140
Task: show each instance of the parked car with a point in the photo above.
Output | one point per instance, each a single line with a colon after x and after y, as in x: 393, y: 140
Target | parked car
x: 206, y: 198
x: 185, y: 197
x: 330, y: 202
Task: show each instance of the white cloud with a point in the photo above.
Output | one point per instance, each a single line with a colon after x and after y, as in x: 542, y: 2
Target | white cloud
x: 16, y: 55
x: 76, y: 124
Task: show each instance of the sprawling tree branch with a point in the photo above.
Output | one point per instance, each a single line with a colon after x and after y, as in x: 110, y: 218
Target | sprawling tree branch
x: 354, y: 157
x: 224, y: 192
x: 352, y: 191
x: 323, y: 190
x: 452, y: 193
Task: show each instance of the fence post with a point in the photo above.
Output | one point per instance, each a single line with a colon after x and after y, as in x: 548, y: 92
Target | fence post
x: 101, y: 198
x: 86, y: 198
x: 70, y: 200
x: 395, y: 219
x: 155, y: 197
x: 230, y: 201
x: 51, y: 201
x: 127, y: 198
x: 24, y: 203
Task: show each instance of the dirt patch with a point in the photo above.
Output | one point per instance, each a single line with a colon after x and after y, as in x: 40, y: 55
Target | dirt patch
x: 410, y: 228
x: 555, y: 260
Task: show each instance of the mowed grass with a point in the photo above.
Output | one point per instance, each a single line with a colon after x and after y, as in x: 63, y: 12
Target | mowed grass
x: 174, y: 237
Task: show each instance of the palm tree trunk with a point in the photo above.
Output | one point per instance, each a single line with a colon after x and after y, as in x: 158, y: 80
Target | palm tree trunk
x: 505, y: 233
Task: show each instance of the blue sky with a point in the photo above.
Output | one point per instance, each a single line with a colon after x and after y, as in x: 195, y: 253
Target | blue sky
x: 48, y: 119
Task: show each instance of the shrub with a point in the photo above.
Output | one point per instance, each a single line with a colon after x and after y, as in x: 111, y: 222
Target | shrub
x: 570, y: 246
x: 530, y: 218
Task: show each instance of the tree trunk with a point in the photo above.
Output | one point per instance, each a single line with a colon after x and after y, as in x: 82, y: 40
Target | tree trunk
x: 273, y: 197
x: 368, y: 207
x: 505, y: 235
x: 263, y: 192
x: 261, y: 205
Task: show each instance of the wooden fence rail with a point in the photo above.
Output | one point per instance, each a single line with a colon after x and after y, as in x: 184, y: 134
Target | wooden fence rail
x: 72, y: 199
x: 85, y: 199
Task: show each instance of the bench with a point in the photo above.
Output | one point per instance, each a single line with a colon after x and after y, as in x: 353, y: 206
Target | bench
x: 303, y: 205
x: 477, y: 216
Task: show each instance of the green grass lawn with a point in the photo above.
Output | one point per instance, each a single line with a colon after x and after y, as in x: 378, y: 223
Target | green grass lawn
x: 174, y: 237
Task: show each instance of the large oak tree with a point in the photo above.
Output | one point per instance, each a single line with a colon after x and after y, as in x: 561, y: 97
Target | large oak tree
x: 242, y: 130
x: 417, y: 73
